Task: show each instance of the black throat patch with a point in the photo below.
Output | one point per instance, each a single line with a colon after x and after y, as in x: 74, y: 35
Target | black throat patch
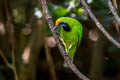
x: 65, y: 26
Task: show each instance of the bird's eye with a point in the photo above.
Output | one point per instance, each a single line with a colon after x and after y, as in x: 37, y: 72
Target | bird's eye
x: 65, y: 26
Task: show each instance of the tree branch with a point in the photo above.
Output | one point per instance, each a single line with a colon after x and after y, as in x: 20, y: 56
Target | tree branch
x: 50, y: 61
x: 113, y: 10
x: 5, y: 60
x: 11, y: 66
x: 99, y: 25
x: 62, y: 51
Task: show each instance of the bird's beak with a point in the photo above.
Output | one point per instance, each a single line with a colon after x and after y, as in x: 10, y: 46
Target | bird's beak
x: 54, y: 28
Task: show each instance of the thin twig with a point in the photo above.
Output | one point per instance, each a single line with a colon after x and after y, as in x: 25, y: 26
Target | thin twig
x: 11, y: 66
x: 13, y: 63
x: 113, y: 10
x: 5, y: 60
x: 12, y: 39
x: 50, y: 61
x: 62, y: 51
x: 99, y: 25
x: 11, y: 27
x: 70, y: 7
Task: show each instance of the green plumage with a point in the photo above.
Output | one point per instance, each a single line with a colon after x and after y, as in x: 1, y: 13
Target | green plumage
x: 71, y: 39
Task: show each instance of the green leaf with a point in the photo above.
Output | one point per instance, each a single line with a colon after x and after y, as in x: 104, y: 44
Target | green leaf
x: 60, y: 12
x: 78, y: 11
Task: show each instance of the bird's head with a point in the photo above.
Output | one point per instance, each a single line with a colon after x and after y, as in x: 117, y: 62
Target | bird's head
x: 62, y: 24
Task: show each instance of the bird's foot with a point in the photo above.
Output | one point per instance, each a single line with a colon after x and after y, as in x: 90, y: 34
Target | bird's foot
x: 57, y: 33
x: 66, y: 53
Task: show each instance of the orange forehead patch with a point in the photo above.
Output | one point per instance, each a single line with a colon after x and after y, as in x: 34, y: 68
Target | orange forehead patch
x: 57, y: 22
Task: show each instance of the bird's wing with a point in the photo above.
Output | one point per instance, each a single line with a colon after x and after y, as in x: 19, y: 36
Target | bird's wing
x: 78, y: 41
x: 64, y: 44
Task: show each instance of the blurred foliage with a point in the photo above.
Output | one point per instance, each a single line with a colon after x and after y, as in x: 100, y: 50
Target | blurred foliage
x: 60, y: 12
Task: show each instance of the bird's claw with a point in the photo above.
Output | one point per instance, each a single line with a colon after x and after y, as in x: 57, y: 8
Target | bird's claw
x: 66, y: 53
x: 54, y: 28
x: 56, y: 32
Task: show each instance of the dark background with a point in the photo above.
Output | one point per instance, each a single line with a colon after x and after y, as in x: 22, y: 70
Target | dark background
x: 36, y: 54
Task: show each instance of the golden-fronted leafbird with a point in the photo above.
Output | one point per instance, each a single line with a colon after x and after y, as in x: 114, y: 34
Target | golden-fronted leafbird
x: 70, y: 34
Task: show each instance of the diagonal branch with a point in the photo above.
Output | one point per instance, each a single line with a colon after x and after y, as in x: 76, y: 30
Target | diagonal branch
x: 11, y: 66
x: 99, y: 25
x: 5, y: 60
x: 66, y: 58
x: 113, y: 10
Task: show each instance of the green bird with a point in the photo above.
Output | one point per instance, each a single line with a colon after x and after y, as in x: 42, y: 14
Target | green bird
x: 70, y: 34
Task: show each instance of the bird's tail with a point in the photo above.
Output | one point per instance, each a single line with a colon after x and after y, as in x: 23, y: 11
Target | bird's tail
x: 70, y: 55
